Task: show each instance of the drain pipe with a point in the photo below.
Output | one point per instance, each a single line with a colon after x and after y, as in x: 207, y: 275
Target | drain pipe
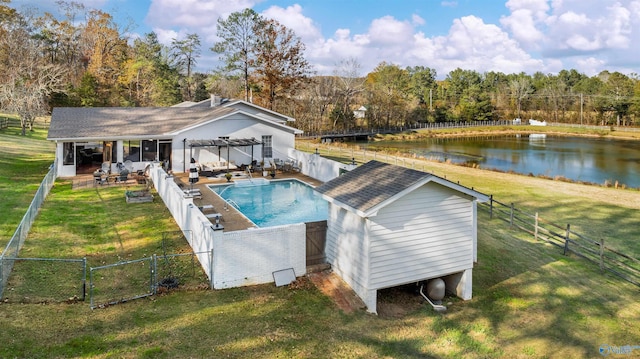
x: 184, y: 154
x: 436, y: 307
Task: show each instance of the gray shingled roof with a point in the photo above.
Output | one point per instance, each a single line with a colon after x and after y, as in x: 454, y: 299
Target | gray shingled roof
x: 119, y: 122
x: 371, y: 184
x: 375, y: 182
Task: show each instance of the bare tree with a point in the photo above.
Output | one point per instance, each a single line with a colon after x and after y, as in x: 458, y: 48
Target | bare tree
x: 28, y: 79
x: 520, y: 89
x: 349, y: 84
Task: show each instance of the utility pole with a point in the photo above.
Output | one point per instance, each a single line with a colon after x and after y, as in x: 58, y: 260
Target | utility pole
x: 581, y: 104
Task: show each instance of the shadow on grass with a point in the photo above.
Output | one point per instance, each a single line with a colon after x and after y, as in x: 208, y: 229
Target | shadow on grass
x: 533, y: 301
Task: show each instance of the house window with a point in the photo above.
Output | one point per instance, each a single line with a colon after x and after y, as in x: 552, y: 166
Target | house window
x: 149, y: 150
x: 131, y: 151
x: 67, y: 151
x: 267, y: 149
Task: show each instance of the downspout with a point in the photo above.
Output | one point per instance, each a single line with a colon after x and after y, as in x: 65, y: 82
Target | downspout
x: 184, y: 154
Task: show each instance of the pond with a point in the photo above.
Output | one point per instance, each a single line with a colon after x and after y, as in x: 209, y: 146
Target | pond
x: 585, y: 159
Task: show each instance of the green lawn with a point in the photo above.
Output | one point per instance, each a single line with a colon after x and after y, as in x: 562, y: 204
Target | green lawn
x: 529, y: 301
x: 23, y: 163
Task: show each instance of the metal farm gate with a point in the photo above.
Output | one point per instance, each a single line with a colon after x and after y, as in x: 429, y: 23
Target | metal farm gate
x: 316, y: 238
x: 129, y: 280
x: 121, y: 282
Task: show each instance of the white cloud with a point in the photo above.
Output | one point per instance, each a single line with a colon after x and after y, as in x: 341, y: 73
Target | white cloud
x: 389, y: 31
x: 198, y: 16
x: 591, y: 66
x: 472, y: 44
x: 417, y: 20
x: 523, y: 22
x: 165, y: 36
x: 292, y: 17
x: 579, y: 33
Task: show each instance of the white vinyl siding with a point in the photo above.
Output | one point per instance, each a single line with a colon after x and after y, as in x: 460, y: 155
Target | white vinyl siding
x: 345, y: 248
x: 423, y: 235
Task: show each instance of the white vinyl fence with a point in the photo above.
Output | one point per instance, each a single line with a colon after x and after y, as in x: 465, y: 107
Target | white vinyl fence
x: 239, y: 257
x: 316, y: 166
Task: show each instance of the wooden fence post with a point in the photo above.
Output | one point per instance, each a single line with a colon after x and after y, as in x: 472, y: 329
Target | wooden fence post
x: 566, y: 239
x: 535, y: 230
x: 491, y: 207
x: 511, y: 216
x: 602, y: 254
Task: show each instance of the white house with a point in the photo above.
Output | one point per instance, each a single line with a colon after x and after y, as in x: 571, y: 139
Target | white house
x: 389, y: 226
x: 360, y: 112
x: 209, y: 131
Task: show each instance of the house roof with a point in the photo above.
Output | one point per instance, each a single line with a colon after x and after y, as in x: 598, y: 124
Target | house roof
x: 236, y: 103
x: 259, y: 111
x: 74, y: 123
x: 374, y: 185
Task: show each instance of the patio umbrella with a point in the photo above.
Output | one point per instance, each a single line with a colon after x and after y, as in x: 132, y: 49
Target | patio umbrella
x: 193, y: 173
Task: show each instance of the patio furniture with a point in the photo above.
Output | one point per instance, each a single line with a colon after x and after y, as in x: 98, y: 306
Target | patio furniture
x: 140, y: 177
x: 295, y: 166
x: 99, y: 178
x: 279, y: 164
x: 128, y: 165
x: 122, y: 177
x: 193, y: 193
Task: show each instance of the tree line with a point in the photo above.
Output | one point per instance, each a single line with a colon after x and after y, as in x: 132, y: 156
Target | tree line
x: 85, y: 58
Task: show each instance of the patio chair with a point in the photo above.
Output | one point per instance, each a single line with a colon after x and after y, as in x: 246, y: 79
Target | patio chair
x: 128, y: 165
x: 98, y: 178
x: 123, y: 176
x: 295, y: 166
x: 279, y: 164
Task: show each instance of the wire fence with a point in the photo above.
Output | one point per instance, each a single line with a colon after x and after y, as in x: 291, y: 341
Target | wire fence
x: 129, y: 280
x: 10, y: 253
x: 416, y: 126
x: 55, y: 280
x: 608, y: 259
x: 46, y: 280
x: 569, y: 241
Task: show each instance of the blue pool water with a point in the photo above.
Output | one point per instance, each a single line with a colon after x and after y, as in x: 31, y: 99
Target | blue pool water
x: 277, y: 203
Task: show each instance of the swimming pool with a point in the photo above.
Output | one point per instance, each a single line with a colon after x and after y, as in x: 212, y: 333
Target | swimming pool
x: 275, y: 202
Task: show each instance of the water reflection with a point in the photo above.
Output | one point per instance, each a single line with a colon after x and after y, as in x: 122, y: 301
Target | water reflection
x: 577, y: 158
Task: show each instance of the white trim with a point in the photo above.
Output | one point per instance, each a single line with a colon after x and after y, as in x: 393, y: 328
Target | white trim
x: 231, y: 103
x: 373, y: 211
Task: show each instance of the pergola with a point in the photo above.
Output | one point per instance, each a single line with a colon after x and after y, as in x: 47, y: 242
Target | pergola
x: 220, y: 143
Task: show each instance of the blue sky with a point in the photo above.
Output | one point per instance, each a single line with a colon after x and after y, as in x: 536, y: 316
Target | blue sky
x: 483, y: 35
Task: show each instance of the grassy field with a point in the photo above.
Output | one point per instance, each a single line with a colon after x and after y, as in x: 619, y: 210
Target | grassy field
x: 23, y: 163
x: 529, y: 301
